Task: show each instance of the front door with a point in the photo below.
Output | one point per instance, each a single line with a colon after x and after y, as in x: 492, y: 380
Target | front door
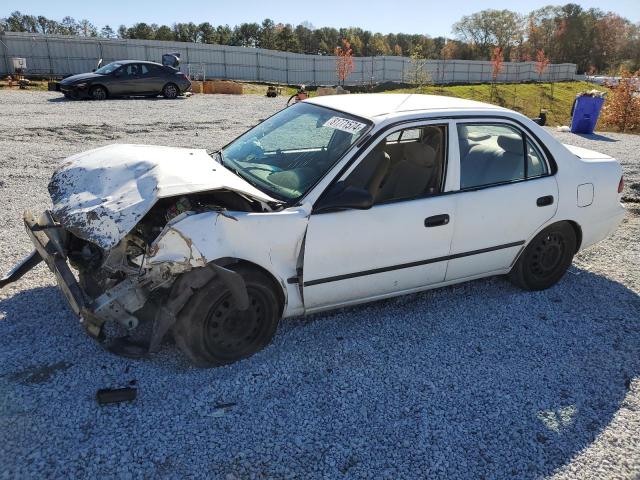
x: 401, y: 243
x: 506, y: 195
x: 130, y: 80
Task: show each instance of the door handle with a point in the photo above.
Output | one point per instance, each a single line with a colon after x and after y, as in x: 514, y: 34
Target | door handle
x: 544, y: 201
x: 436, y: 220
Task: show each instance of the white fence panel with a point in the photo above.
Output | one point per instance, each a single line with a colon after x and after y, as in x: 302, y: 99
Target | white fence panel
x: 58, y: 55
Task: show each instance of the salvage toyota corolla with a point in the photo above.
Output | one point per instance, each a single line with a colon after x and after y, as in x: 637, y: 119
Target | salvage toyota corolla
x: 331, y: 202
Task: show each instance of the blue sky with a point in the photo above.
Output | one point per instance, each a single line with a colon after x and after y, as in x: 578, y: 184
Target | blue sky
x: 427, y: 17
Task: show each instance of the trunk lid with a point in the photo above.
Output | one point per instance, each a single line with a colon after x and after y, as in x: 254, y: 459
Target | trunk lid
x: 586, y: 154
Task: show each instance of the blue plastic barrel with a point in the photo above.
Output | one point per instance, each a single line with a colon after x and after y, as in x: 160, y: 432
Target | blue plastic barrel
x: 586, y: 111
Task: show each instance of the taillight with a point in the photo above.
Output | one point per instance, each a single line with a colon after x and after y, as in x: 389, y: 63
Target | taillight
x: 621, y: 185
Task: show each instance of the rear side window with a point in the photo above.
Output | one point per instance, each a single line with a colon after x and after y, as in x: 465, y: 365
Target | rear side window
x: 154, y: 69
x: 494, y: 154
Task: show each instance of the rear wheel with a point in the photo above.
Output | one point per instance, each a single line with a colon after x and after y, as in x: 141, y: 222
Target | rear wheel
x: 211, y: 331
x: 546, y: 259
x: 98, y: 93
x: 170, y: 91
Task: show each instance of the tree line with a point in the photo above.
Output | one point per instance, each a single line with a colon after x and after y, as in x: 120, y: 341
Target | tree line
x: 595, y: 40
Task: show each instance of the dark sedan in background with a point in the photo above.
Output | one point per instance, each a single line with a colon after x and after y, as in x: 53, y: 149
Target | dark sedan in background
x: 127, y: 78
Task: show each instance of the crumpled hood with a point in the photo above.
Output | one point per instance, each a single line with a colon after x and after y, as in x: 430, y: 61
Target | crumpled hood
x: 100, y: 195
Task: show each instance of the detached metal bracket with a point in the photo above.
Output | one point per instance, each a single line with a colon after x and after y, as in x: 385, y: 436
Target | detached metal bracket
x: 22, y: 267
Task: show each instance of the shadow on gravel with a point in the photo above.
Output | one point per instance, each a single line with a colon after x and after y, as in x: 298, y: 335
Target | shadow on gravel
x: 479, y: 380
x: 64, y: 99
x: 60, y: 99
x: 596, y: 136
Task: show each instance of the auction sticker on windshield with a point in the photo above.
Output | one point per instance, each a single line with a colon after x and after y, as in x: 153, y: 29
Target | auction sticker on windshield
x: 344, y: 124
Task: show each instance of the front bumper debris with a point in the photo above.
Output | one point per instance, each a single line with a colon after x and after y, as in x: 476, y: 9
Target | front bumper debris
x: 121, y: 301
x: 92, y: 313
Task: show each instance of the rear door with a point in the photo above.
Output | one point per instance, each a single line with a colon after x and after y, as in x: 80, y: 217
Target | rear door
x: 506, y: 194
x: 398, y: 245
x: 153, y: 78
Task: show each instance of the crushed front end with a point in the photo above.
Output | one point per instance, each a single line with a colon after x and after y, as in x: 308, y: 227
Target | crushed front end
x: 136, y: 275
x: 59, y: 249
x: 110, y: 240
x: 109, y: 286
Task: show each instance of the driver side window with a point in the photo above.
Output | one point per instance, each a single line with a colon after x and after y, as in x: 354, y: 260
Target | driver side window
x: 405, y: 165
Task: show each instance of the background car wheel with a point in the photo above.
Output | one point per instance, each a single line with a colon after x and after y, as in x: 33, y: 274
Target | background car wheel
x: 210, y: 331
x: 170, y: 91
x: 98, y: 93
x: 546, y: 258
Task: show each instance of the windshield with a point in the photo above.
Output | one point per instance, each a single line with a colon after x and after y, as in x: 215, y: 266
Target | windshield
x: 108, y: 68
x: 288, y: 153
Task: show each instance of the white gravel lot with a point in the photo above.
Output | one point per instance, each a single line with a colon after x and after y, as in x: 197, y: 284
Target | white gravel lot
x: 479, y: 380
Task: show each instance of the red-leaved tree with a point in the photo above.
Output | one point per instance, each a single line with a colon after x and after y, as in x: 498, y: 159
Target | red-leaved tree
x: 497, y: 59
x: 542, y: 62
x: 344, y: 62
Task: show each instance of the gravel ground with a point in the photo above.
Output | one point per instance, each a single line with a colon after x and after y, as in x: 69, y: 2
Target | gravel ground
x: 479, y: 380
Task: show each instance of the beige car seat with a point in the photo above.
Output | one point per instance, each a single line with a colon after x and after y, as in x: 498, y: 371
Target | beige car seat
x: 413, y: 174
x: 371, y: 170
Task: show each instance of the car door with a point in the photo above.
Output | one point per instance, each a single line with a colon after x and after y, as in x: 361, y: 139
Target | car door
x: 129, y: 80
x: 117, y: 81
x: 400, y: 243
x: 152, y: 77
x: 506, y: 194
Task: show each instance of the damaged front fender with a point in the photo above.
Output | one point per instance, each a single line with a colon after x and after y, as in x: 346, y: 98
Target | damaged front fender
x: 270, y: 240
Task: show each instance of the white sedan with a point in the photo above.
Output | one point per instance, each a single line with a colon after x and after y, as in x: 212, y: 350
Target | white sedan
x: 334, y: 201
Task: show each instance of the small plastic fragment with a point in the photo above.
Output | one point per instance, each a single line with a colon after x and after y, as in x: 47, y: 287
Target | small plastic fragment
x: 116, y: 395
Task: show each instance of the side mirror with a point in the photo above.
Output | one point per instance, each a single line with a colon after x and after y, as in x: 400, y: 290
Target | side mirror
x: 344, y: 197
x: 117, y: 73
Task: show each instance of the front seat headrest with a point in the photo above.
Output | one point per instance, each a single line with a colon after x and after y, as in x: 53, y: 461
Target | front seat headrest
x: 420, y: 154
x: 511, y: 143
x: 432, y: 136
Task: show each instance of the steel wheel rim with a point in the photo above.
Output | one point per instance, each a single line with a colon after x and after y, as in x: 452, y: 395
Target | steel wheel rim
x: 230, y: 333
x: 547, y: 255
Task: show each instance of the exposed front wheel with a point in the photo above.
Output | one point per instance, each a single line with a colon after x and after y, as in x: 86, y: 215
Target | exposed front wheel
x: 98, y: 93
x: 170, y: 91
x: 211, y: 331
x: 546, y: 258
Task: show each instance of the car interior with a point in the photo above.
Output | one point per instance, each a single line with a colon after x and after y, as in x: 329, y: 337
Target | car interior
x: 406, y: 164
x: 491, y: 154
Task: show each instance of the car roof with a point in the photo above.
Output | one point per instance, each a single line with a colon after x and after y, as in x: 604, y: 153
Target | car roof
x: 126, y: 62
x: 370, y: 105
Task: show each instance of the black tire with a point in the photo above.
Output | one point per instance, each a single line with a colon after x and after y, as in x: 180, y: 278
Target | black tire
x: 170, y: 91
x: 546, y: 259
x: 98, y: 93
x: 211, y: 332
